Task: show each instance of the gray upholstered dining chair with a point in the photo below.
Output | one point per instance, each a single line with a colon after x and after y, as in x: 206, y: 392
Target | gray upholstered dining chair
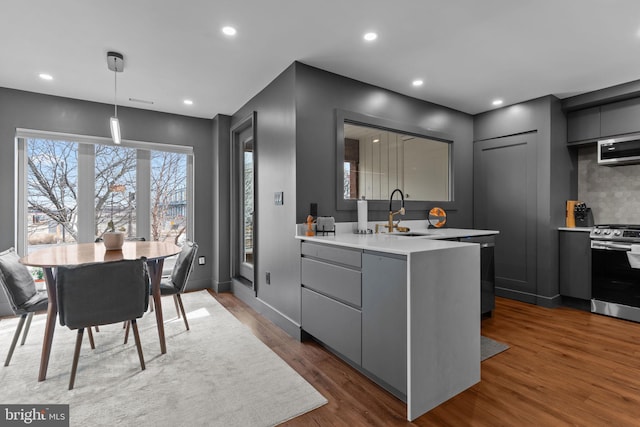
x: 100, y: 294
x: 175, y: 284
x: 22, y: 294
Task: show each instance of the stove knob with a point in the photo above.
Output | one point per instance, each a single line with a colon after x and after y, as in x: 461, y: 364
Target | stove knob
x: 617, y: 233
x: 607, y: 232
x: 596, y: 231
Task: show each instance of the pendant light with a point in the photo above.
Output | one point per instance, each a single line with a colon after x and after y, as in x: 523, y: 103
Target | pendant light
x: 115, y: 61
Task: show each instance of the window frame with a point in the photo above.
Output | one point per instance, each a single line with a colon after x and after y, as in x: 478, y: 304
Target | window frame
x: 86, y: 171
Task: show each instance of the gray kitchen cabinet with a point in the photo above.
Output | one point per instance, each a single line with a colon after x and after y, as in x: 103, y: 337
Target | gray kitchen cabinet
x: 339, y: 282
x: 575, y: 264
x: 384, y: 318
x: 417, y: 332
x: 345, y: 256
x: 620, y: 117
x: 331, y: 297
x: 355, y: 303
x: 333, y: 323
x: 583, y: 125
x: 505, y: 199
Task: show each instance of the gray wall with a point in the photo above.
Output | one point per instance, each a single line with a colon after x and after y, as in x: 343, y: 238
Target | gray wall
x: 277, y: 251
x: 19, y: 109
x: 319, y: 93
x: 555, y: 176
x: 595, y: 184
x: 295, y: 153
x: 220, y: 161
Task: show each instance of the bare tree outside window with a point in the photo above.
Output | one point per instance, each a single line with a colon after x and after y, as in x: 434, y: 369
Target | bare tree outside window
x: 52, y: 191
x: 115, y: 189
x: 168, y: 195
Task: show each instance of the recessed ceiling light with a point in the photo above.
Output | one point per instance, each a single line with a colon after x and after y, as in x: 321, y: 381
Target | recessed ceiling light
x: 45, y: 76
x: 370, y: 37
x: 497, y: 102
x: 417, y: 82
x: 230, y: 31
x: 188, y: 102
x: 376, y: 140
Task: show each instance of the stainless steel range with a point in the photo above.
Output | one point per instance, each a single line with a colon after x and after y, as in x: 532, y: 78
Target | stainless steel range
x: 615, y: 285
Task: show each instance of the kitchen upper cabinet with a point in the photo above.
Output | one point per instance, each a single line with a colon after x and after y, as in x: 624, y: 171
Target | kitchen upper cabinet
x: 590, y: 124
x: 583, y: 125
x: 575, y: 264
x: 620, y: 117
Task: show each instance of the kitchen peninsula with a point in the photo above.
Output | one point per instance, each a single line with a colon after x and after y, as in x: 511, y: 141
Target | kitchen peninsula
x: 404, y: 309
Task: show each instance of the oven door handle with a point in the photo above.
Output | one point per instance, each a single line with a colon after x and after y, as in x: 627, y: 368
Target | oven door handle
x: 610, y: 246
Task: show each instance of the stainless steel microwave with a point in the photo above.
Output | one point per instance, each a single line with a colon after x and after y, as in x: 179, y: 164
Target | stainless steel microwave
x: 619, y: 151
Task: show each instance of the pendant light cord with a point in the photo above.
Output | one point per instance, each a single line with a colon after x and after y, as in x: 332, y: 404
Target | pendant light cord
x: 115, y: 85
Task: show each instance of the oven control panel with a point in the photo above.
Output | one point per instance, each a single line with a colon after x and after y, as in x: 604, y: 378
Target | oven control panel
x: 635, y: 234
x: 616, y: 233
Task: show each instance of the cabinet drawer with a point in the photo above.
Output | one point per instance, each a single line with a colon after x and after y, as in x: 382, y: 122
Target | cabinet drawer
x: 333, y: 323
x: 339, y: 282
x: 351, y: 257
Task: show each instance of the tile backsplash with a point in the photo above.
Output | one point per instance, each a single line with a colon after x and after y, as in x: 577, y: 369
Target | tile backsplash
x: 612, y: 193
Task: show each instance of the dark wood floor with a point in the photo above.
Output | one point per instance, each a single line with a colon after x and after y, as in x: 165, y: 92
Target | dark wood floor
x: 564, y: 367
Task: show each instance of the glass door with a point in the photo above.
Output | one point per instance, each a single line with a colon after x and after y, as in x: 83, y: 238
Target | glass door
x: 244, y: 208
x: 246, y: 247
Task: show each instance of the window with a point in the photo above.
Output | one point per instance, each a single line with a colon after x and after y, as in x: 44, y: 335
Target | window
x: 115, y: 190
x: 168, y: 195
x: 71, y: 187
x: 52, y: 192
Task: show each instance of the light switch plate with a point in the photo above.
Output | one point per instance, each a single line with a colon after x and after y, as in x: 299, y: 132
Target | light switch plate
x: 278, y: 198
x: 202, y: 260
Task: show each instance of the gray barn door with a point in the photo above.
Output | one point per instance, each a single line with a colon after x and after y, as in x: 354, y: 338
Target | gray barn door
x: 505, y: 190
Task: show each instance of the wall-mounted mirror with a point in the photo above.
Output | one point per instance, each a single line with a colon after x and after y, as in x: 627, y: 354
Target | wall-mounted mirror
x: 374, y: 156
x: 376, y: 161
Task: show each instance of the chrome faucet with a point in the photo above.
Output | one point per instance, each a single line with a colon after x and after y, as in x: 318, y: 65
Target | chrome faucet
x: 391, y: 225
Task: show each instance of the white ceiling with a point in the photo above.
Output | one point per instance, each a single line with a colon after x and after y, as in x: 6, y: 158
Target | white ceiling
x: 468, y: 52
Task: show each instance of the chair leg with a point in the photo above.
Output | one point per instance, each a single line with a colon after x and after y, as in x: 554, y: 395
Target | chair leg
x: 91, y: 342
x: 175, y: 301
x: 126, y: 331
x: 15, y: 339
x: 184, y: 316
x: 76, y: 356
x: 26, y: 328
x: 136, y: 335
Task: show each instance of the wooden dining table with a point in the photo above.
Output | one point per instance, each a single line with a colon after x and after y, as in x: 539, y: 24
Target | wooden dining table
x: 82, y: 253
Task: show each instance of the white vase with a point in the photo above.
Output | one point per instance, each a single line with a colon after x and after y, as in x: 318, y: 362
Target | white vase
x: 113, y: 240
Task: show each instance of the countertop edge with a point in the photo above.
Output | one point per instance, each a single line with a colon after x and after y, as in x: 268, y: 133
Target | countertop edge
x: 398, y: 244
x: 579, y: 229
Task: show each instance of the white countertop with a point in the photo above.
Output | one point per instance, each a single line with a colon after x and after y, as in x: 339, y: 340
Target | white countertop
x: 399, y: 244
x: 582, y: 229
x: 453, y: 233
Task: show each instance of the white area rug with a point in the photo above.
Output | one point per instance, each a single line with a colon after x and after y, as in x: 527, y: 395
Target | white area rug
x: 216, y: 374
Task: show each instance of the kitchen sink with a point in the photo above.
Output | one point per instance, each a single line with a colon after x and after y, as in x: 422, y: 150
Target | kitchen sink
x: 413, y: 234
